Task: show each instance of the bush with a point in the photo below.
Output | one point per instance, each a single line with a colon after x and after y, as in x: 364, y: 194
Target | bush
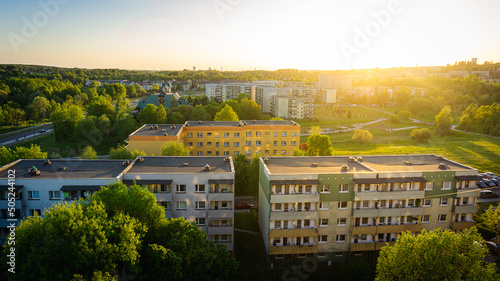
x: 362, y: 136
x: 421, y: 135
x: 486, y: 233
x: 394, y: 118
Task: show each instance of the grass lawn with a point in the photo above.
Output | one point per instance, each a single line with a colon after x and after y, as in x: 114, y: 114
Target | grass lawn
x: 244, y: 221
x: 7, y: 129
x: 49, y: 144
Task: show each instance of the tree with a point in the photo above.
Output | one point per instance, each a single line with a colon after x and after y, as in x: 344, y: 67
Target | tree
x: 436, y: 255
x: 226, y: 114
x: 6, y: 156
x: 443, y: 121
x: 99, y: 106
x: 199, y: 113
x: 121, y: 107
x: 319, y: 145
x: 16, y: 116
x: 154, y: 88
x: 315, y: 130
x: 402, y: 95
x: 41, y: 106
x: 89, y: 153
x: 404, y: 114
x: 176, y: 118
x: 174, y: 148
x: 131, y: 91
x: 277, y: 119
x: 421, y: 135
x: 160, y: 115
x: 34, y: 152
x: 362, y: 136
x: 124, y: 126
x: 147, y: 114
x: 122, y: 152
x: 242, y: 174
x: 249, y: 110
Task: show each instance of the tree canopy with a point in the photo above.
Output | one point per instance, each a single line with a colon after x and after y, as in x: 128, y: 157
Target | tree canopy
x: 362, y: 136
x: 443, y: 121
x: 319, y: 145
x: 436, y: 255
x: 174, y: 148
x: 226, y: 114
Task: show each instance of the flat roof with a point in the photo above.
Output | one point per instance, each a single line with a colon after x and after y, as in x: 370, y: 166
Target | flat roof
x: 180, y: 165
x: 372, y: 163
x: 244, y: 122
x: 66, y: 169
x: 313, y: 165
x: 170, y: 129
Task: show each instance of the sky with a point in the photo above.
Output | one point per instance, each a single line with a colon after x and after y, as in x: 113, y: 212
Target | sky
x: 248, y: 34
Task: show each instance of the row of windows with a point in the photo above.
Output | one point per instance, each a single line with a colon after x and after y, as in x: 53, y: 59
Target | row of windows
x: 237, y: 144
x: 237, y: 134
x: 199, y: 205
x: 236, y: 153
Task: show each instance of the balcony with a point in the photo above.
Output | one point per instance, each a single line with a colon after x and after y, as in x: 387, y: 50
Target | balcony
x: 465, y: 209
x: 397, y: 212
x: 221, y: 196
x: 297, y: 215
x: 379, y: 245
x: 294, y: 232
x: 287, y: 250
x: 397, y: 228
x: 293, y: 198
x: 217, y: 230
x: 367, y: 212
x: 389, y: 195
x: 364, y: 230
x: 220, y: 214
x: 368, y: 246
x: 459, y: 225
x: 163, y: 197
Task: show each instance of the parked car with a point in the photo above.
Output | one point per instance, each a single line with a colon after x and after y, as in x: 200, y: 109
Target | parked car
x: 43, y: 131
x: 496, y: 182
x: 484, y: 176
x: 481, y: 184
x: 243, y: 205
x: 488, y: 194
x: 491, y: 175
x: 489, y: 183
x: 492, y: 246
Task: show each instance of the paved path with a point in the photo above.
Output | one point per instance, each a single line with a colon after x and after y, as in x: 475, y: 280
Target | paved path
x: 405, y: 128
x: 247, y: 231
x: 454, y: 128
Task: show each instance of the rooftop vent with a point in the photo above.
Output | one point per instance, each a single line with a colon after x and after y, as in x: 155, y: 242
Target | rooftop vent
x: 254, y: 121
x: 244, y: 123
x: 173, y: 127
x: 267, y: 161
x: 227, y: 159
x: 62, y: 168
x: 185, y: 164
x: 140, y: 159
x: 408, y: 162
x: 126, y: 163
x: 199, y: 122
x: 240, y: 124
x: 156, y: 127
x: 442, y: 166
x: 315, y: 164
x: 165, y: 134
x: 439, y: 157
x: 351, y: 159
x: 151, y: 127
x: 345, y: 167
x: 206, y: 168
x: 47, y: 162
x: 33, y: 171
x: 360, y: 158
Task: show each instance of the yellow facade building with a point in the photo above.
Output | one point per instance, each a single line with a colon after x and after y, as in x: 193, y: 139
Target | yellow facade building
x: 221, y: 138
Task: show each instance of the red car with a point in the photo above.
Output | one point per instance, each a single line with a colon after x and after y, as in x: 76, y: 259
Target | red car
x: 243, y: 205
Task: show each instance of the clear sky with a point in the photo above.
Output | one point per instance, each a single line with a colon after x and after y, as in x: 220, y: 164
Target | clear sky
x: 248, y: 34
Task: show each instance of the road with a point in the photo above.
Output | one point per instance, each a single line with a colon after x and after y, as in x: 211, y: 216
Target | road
x: 35, y: 132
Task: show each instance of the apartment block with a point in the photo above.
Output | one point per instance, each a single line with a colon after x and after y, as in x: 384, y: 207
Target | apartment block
x: 221, y: 138
x: 345, y: 208
x: 200, y: 189
x: 292, y: 107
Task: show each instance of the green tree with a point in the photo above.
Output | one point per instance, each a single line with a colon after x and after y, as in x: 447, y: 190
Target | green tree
x: 362, y: 136
x: 65, y: 120
x: 319, y: 145
x: 249, y: 110
x: 176, y: 118
x: 226, y: 114
x: 131, y: 91
x: 41, y: 106
x: 99, y: 106
x: 436, y: 255
x: 89, y: 153
x: 148, y: 114
x: 6, y: 155
x: 174, y: 148
x: 402, y: 95
x: 34, y: 152
x: 421, y: 135
x: 242, y: 175
x: 122, y: 152
x: 315, y: 130
x: 443, y: 121
x: 404, y: 113
x: 154, y: 88
x: 199, y: 113
x: 277, y: 119
x: 124, y: 126
x: 16, y: 116
x: 160, y: 115
x: 121, y: 107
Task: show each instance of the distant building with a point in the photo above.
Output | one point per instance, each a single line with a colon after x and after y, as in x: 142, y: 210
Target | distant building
x: 161, y: 99
x: 474, y: 61
x: 325, y: 81
x: 292, y: 107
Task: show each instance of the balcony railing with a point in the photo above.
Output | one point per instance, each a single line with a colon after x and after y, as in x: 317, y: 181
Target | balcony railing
x: 459, y: 225
x: 294, y: 232
x: 293, y: 249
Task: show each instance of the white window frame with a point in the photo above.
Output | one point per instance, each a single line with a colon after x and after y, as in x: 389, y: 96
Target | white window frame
x: 236, y: 144
x: 340, y: 207
x: 324, y: 205
x: 341, y: 188
x: 200, y: 205
x: 198, y: 188
x: 248, y: 143
x: 236, y: 135
x: 31, y: 194
x: 445, y: 218
x: 425, y: 205
x: 178, y: 188
x: 425, y: 221
x: 52, y: 193
x: 340, y: 223
x: 249, y: 134
x: 321, y: 240
x: 341, y: 238
x: 429, y: 185
x: 201, y: 224
x: 443, y: 202
x: 178, y: 205
x: 258, y: 143
x: 446, y: 185
x: 227, y: 135
x: 189, y: 135
x: 200, y: 135
x: 322, y: 222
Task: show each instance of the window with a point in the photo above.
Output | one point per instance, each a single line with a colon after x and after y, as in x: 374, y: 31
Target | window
x: 266, y: 151
x: 366, y: 204
x: 180, y: 188
x: 283, y: 134
x: 209, y: 134
x: 199, y: 153
x: 344, y: 188
x: 425, y: 218
x: 236, y: 153
x: 258, y: 143
x: 200, y: 205
x: 55, y: 195
x: 236, y: 144
x: 189, y: 135
x: 248, y: 143
x: 429, y: 185
x: 442, y: 218
x: 364, y: 221
x: 325, y: 189
x: 277, y: 224
x: 343, y: 205
x: 283, y: 152
x: 324, y: 205
x: 200, y: 135
x: 340, y: 238
x: 236, y: 135
x: 275, y: 143
x: 323, y: 239
x: 226, y: 135
x: 33, y: 195
x: 189, y: 143
x: 209, y: 143
x: 275, y: 152
x: 217, y: 144
x: 209, y: 152
x: 283, y: 143
x: 323, y: 222
x: 277, y: 206
x: 443, y: 202
x: 249, y: 134
x: 200, y: 221
x: 294, y: 134
x: 446, y: 185
x: 32, y: 212
x: 224, y: 204
x: 342, y: 222
x: 294, y: 143
x: 226, y: 153
x: 181, y: 205
x: 258, y: 134
x: 427, y: 203
x: 226, y: 144
x: 248, y: 152
x: 381, y: 220
x: 200, y: 188
x: 165, y: 204
x: 217, y: 153
x: 199, y: 144
x: 275, y: 134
